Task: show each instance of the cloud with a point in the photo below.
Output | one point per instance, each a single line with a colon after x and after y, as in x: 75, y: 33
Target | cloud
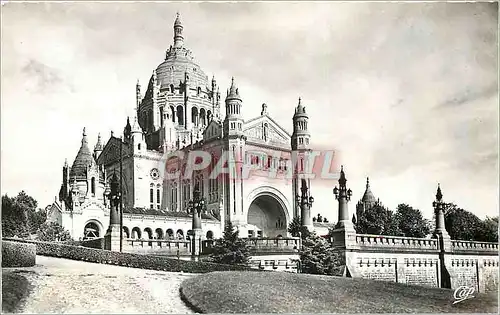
x: 469, y: 95
x: 406, y: 93
x: 45, y: 77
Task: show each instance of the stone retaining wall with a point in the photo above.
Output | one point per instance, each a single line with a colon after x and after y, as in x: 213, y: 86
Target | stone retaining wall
x: 418, y: 261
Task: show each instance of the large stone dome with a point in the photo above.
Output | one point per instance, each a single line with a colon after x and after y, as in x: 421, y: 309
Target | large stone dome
x: 177, y: 62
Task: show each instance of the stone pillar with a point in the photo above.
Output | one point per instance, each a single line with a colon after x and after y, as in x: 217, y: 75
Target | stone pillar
x: 444, y: 240
x: 344, y: 235
x: 112, y: 236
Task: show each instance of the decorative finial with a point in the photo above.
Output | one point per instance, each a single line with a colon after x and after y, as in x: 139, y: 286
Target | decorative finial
x: 112, y: 133
x: 367, y: 182
x: 300, y: 100
x: 84, y: 133
x: 264, y: 109
x: 341, y: 168
x: 232, y: 81
x: 439, y: 195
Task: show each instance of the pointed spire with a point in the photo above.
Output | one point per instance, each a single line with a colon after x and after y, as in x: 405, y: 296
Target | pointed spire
x: 300, y: 109
x: 342, y: 179
x: 98, y: 145
x: 178, y: 38
x: 135, y: 125
x: 84, y: 136
x: 233, y: 91
x: 368, y: 197
x: 439, y: 195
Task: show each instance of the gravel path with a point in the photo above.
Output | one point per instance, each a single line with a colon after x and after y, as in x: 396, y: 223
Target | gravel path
x: 68, y: 286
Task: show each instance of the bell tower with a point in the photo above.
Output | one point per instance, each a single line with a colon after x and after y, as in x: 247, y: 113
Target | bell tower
x: 300, y: 154
x: 234, y: 147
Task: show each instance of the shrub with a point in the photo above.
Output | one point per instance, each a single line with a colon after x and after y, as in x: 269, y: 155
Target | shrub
x: 318, y: 257
x: 128, y: 259
x: 230, y: 249
x: 52, y: 231
x: 16, y: 254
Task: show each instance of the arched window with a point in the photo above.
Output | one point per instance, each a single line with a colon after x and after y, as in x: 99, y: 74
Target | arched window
x: 266, y: 130
x: 92, y: 186
x: 180, y: 115
x: 203, y: 120
x: 151, y: 195
x: 172, y: 113
x: 161, y: 116
x: 194, y: 115
x: 139, y: 147
x: 158, y: 198
x: 171, y: 88
x: 199, y: 90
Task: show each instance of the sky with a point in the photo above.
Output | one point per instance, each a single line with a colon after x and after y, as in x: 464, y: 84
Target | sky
x: 406, y: 93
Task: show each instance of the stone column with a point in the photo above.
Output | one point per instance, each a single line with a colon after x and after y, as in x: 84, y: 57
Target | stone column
x: 444, y: 240
x: 344, y: 232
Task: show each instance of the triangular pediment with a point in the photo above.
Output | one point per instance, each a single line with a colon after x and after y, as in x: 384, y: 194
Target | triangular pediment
x: 111, y: 152
x: 213, y: 130
x: 267, y: 130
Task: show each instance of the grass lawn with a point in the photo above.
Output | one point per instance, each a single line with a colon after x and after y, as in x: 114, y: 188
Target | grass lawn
x: 280, y: 292
x: 15, y: 288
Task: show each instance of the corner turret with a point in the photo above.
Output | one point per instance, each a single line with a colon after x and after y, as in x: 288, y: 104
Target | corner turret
x: 233, y: 122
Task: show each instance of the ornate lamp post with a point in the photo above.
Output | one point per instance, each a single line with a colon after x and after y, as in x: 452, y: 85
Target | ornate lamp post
x: 439, y: 206
x: 196, y: 207
x: 343, y: 195
x: 112, y: 237
x: 305, y: 203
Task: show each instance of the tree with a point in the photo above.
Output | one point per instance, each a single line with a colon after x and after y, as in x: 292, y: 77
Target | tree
x: 52, y: 232
x: 230, y: 249
x: 410, y: 221
x: 488, y: 230
x: 318, y: 257
x: 295, y: 228
x: 20, y: 216
x: 461, y: 224
x: 14, y: 217
x: 377, y: 220
x: 36, y: 219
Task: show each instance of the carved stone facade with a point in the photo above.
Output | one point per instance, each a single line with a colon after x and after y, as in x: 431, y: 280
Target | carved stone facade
x: 181, y: 112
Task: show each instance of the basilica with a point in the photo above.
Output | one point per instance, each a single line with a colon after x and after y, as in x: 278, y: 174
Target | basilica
x: 181, y: 111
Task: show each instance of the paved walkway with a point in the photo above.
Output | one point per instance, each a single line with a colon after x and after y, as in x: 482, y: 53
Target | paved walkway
x: 68, y: 286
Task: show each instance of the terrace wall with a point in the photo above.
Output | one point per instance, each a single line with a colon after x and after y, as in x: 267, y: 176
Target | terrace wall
x: 418, y: 261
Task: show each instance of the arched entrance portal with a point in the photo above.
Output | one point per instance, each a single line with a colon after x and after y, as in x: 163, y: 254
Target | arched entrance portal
x: 266, y: 217
x: 91, y: 230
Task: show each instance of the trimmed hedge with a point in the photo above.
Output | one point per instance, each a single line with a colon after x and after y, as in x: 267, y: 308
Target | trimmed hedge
x: 128, y: 259
x: 16, y: 254
x: 95, y: 243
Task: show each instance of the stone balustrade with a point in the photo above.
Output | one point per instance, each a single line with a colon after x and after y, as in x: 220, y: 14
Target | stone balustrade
x: 472, y: 246
x: 280, y: 244
x: 170, y: 247
x: 384, y: 242
x: 264, y: 245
